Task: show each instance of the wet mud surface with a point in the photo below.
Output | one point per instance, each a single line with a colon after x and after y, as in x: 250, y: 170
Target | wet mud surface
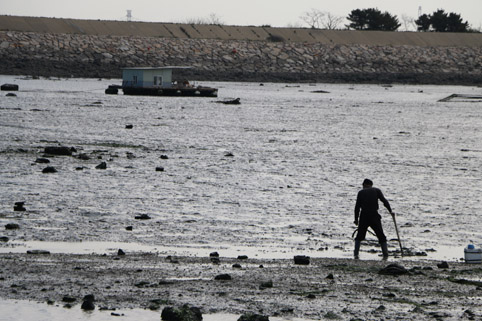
x: 341, y: 289
x: 273, y: 177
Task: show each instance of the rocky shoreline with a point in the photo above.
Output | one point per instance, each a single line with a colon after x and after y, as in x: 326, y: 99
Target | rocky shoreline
x: 340, y: 289
x: 98, y: 56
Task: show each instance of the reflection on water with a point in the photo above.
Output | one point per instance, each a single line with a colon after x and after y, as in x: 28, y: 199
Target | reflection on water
x: 273, y: 176
x: 27, y: 310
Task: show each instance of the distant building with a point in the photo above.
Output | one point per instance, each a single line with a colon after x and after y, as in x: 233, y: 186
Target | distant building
x: 149, y: 76
x: 158, y: 81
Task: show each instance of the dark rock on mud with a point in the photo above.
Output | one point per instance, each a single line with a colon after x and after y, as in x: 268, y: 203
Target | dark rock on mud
x: 83, y: 156
x: 443, y: 265
x: 4, y: 239
x: 68, y: 299
x: 10, y: 95
x: 253, y: 317
x: 58, y: 150
x: 18, y: 207
x: 121, y: 252
x: 9, y: 87
x: 242, y: 257
x: 159, y: 169
x: 393, y: 269
x: 102, y: 165
x: 302, y: 260
x: 12, y: 226
x: 88, y: 306
x: 42, y: 160
x: 183, y: 313
x: 164, y: 157
x: 129, y: 126
x: 129, y: 228
x: 214, y: 254
x: 236, y: 101
x: 143, y: 217
x: 49, y: 170
x: 38, y: 252
x: 223, y: 277
x: 266, y: 285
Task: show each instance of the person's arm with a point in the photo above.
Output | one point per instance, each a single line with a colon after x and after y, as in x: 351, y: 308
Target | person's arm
x: 384, y: 201
x: 357, y: 209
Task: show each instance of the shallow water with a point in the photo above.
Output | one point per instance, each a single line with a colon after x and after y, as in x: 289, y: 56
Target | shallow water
x: 26, y: 310
x: 298, y: 161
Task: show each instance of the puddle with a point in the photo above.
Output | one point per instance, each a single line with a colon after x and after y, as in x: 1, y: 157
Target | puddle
x: 27, y: 310
x: 445, y: 253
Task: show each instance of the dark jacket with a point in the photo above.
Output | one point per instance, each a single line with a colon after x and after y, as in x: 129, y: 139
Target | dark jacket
x: 367, y: 202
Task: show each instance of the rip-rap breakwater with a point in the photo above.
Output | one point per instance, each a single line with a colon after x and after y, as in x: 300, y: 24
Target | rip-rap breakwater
x: 272, y: 59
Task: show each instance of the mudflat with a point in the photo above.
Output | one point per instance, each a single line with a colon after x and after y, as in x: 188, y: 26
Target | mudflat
x: 343, y: 289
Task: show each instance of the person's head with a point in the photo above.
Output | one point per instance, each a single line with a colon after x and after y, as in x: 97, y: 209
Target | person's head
x: 367, y: 183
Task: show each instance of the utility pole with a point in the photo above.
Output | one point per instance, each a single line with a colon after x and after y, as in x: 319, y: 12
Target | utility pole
x: 129, y: 15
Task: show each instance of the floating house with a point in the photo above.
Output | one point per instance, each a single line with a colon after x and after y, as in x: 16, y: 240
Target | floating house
x: 158, y: 81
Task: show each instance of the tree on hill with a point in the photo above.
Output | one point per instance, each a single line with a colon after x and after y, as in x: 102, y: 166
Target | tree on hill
x: 317, y: 19
x: 372, y: 19
x: 440, y: 21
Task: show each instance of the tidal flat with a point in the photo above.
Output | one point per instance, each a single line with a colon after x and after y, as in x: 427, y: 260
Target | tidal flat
x: 273, y: 177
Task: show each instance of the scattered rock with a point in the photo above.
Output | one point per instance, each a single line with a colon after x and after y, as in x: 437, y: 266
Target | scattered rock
x: 223, y: 277
x: 183, y: 313
x: 302, y: 259
x: 253, y: 317
x: 129, y: 126
x: 215, y: 260
x: 214, y: 254
x: 83, y: 156
x: 228, y: 154
x: 129, y: 228
x: 38, y: 252
x: 242, y: 257
x: 443, y: 265
x: 9, y: 87
x: 10, y: 95
x: 236, y: 266
x: 4, y: 239
x: 236, y: 101
x: 330, y: 276
x: 331, y: 316
x: 18, y: 207
x: 12, y: 226
x: 58, y: 150
x: 42, y: 160
x: 266, y: 285
x: 68, y: 299
x: 121, y: 252
x: 88, y: 306
x: 89, y: 297
x: 102, y: 165
x: 159, y: 169
x: 393, y: 269
x: 143, y: 217
x: 49, y: 169
x: 164, y: 157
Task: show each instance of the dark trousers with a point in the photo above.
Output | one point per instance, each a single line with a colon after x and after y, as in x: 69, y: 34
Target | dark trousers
x: 372, y: 220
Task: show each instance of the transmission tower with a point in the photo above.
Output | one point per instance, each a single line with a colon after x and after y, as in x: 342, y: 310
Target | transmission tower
x: 129, y: 15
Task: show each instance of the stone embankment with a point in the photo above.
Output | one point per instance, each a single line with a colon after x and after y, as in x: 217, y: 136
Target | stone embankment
x: 273, y: 59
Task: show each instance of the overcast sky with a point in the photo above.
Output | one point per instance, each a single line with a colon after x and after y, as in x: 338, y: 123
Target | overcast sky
x: 277, y: 13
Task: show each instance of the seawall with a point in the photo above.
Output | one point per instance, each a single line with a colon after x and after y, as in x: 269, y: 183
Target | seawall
x: 47, y: 47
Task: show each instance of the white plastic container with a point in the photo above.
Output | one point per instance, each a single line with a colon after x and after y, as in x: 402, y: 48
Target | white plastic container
x: 473, y: 255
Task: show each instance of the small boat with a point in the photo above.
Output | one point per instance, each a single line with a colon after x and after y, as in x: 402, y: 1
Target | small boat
x: 158, y: 81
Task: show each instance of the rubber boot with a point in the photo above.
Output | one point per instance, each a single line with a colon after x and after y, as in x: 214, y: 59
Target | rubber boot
x: 357, y: 249
x: 384, y: 250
